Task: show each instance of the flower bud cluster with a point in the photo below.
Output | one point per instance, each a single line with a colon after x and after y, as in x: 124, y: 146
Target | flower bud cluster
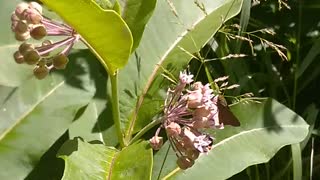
x: 28, y: 22
x: 187, y: 113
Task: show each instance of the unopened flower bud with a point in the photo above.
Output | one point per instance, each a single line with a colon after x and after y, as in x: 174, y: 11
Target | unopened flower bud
x: 197, y: 86
x: 20, y: 8
x: 14, y: 17
x: 42, y: 62
x: 200, y: 122
x: 36, y: 6
x: 22, y: 36
x: 156, y: 142
x: 21, y: 27
x: 25, y: 47
x: 184, y: 163
x: 32, y: 16
x: 173, y: 129
x: 195, y: 99
x: 46, y: 42
x: 201, y: 112
x: 31, y: 57
x: 188, y: 138
x: 13, y: 26
x: 192, y: 154
x: 18, y: 57
x: 60, y: 61
x: 41, y: 72
x: 38, y: 32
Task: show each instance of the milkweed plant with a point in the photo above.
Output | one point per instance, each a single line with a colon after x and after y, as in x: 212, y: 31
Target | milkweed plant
x: 193, y: 125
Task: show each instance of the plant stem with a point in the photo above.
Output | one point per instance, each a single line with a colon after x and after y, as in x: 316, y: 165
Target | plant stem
x: 297, y: 162
x: 295, y: 83
x: 295, y: 148
x: 115, y: 95
x: 145, y: 129
x: 115, y: 108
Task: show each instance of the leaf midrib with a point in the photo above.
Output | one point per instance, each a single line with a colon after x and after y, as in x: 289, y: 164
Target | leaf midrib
x: 221, y: 143
x: 8, y: 130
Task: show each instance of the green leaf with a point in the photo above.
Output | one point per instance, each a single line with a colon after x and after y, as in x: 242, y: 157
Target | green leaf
x: 136, y: 13
x: 95, y: 120
x: 244, y: 21
x: 104, y: 30
x: 36, y: 113
x: 174, y: 26
x: 134, y: 161
x: 266, y: 126
x: 95, y: 124
x: 50, y: 166
x: 11, y: 73
x: 97, y: 161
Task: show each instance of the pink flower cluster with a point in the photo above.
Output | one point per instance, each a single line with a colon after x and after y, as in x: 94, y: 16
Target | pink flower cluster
x: 28, y: 22
x: 187, y: 112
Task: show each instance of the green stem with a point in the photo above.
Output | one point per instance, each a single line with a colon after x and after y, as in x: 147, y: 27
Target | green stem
x: 295, y: 83
x: 257, y: 172
x: 213, y: 85
x: 248, y: 171
x: 267, y: 166
x: 115, y: 108
x: 115, y: 96
x: 295, y: 148
x: 145, y: 129
x: 297, y: 161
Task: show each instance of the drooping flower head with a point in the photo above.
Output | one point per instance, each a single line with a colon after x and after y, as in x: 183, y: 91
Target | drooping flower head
x: 189, y: 108
x: 27, y: 22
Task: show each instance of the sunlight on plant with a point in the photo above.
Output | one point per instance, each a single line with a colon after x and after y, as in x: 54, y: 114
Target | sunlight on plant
x: 174, y: 89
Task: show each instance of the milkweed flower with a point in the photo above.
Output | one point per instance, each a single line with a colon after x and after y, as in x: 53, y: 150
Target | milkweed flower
x: 189, y: 108
x: 27, y: 22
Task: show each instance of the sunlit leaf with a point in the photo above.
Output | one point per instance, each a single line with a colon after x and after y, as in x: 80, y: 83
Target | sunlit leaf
x: 97, y: 161
x: 104, y: 30
x: 136, y: 14
x: 265, y: 127
x: 36, y: 113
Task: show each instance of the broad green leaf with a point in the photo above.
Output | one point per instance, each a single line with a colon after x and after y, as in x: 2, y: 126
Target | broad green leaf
x: 6, y: 9
x: 266, y: 126
x: 36, y: 113
x: 134, y: 162
x: 49, y: 166
x: 136, y: 13
x: 95, y: 124
x: 104, y: 30
x: 11, y: 73
x: 175, y: 25
x: 84, y: 126
x: 5, y: 93
x: 95, y: 121
x: 97, y: 161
